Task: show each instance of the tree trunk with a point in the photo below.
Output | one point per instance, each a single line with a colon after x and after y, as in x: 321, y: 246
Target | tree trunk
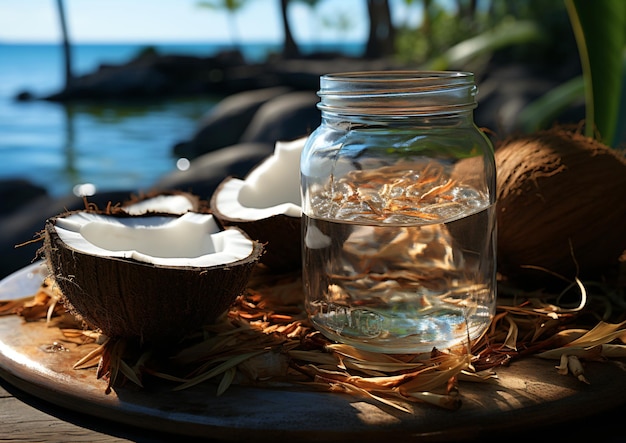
x: 426, y: 28
x: 234, y: 31
x: 290, y: 47
x: 67, y: 53
x: 467, y: 9
x: 381, y: 39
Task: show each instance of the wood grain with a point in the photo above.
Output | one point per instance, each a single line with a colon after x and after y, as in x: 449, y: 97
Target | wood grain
x: 528, y: 393
x: 23, y: 422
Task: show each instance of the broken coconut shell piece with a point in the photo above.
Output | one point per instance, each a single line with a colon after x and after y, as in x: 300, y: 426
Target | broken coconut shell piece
x: 147, y: 277
x: 266, y: 204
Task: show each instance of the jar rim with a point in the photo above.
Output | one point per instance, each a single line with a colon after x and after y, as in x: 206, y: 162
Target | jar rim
x: 404, y: 92
x: 398, y: 75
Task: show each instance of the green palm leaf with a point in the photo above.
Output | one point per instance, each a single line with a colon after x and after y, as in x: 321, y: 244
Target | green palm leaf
x: 600, y: 30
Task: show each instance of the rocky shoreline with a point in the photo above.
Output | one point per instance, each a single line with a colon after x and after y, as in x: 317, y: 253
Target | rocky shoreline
x: 263, y: 103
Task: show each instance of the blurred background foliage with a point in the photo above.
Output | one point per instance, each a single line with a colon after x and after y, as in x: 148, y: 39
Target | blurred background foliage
x: 443, y: 27
x: 600, y: 30
x: 469, y: 34
x: 465, y: 34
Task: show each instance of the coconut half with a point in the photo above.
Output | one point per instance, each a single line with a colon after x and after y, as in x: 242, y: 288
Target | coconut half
x: 151, y: 277
x: 266, y: 204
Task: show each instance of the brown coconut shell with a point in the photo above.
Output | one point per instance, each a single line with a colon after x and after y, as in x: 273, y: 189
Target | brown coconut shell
x: 561, y: 205
x: 126, y: 298
x: 280, y: 235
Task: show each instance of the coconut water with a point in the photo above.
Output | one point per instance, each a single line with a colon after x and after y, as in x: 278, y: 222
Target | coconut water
x: 393, y: 272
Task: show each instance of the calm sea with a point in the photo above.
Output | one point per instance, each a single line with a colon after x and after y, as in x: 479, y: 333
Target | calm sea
x: 110, y: 146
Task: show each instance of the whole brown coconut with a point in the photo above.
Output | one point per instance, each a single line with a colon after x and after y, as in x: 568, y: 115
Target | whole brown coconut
x: 153, y: 278
x: 561, y: 205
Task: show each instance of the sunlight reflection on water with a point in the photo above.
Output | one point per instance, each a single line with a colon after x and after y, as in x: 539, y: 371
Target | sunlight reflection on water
x: 112, y: 147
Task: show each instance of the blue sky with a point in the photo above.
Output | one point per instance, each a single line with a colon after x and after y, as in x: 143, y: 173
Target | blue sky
x: 151, y: 21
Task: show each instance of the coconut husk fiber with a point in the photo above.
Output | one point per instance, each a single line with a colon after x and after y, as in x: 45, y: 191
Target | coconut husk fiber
x: 561, y: 205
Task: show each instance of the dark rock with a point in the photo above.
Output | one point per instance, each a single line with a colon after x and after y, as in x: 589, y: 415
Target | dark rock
x: 304, y: 74
x: 209, y: 170
x: 25, y: 96
x: 287, y: 117
x: 151, y: 75
x: 111, y: 83
x: 19, y: 231
x: 226, y: 122
x: 506, y: 90
x: 17, y: 192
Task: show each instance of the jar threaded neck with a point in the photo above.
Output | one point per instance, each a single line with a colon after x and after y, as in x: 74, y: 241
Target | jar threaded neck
x: 397, y: 93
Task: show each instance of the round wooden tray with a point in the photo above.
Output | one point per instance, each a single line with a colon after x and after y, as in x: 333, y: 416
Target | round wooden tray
x: 528, y: 393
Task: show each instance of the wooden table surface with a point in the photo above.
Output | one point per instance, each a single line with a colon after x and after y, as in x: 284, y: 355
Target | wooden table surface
x: 24, y: 418
x: 42, y: 399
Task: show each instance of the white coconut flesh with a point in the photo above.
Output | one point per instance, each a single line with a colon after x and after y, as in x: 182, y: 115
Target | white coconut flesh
x: 170, y: 204
x: 271, y: 188
x: 190, y: 240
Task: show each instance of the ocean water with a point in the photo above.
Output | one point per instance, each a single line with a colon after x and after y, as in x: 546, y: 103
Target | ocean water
x: 123, y: 146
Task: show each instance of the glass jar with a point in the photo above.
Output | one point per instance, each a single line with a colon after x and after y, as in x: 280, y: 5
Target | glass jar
x: 398, y: 197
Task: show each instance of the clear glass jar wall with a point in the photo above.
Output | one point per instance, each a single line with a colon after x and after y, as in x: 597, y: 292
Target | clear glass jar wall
x: 398, y: 194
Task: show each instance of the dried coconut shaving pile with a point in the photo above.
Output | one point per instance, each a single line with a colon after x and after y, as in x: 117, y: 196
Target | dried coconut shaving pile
x: 266, y: 340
